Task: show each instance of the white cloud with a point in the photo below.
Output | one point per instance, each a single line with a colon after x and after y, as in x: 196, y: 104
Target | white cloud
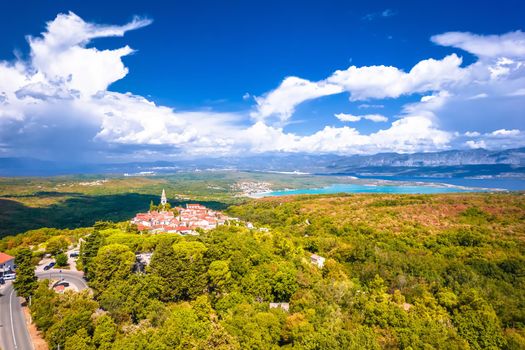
x: 409, y: 134
x: 388, y: 13
x: 498, y: 139
x: 505, y: 132
x: 355, y: 118
x: 366, y: 105
x: 347, y: 117
x: 282, y: 101
x: 385, y: 13
x: 506, y: 45
x: 362, y: 83
x: 476, y: 144
x: 478, y: 96
x: 519, y: 92
x: 387, y: 81
x: 60, y: 99
x: 60, y: 54
x: 472, y: 134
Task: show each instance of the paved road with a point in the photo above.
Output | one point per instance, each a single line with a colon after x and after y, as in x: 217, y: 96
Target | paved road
x: 73, y: 277
x: 13, y: 330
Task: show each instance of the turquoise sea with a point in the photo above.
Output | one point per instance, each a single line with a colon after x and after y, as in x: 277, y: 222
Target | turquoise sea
x: 377, y: 188
x: 410, y: 185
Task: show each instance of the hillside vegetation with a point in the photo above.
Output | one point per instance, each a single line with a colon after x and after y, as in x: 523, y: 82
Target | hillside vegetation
x: 401, y: 271
x: 79, y: 201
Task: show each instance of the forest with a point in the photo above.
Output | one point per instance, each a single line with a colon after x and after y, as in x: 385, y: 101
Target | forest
x: 401, y: 272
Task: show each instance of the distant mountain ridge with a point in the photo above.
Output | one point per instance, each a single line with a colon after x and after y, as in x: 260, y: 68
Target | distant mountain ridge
x: 450, y: 163
x: 445, y: 158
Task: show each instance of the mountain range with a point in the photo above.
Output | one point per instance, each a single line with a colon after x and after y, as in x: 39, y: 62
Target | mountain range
x: 453, y: 163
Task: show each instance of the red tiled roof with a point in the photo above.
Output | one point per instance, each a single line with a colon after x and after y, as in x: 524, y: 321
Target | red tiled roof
x: 5, y: 258
x: 60, y: 288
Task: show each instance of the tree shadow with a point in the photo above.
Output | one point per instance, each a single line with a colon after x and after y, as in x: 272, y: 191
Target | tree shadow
x: 44, y: 194
x: 80, y: 211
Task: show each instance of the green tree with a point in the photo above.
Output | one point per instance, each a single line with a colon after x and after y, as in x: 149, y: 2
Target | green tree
x: 284, y: 283
x: 89, y: 249
x: 43, y: 306
x: 26, y: 281
x: 163, y: 265
x: 61, y: 259
x: 57, y: 245
x: 219, y: 276
x: 134, y: 299
x: 182, y: 268
x: 73, y: 311
x: 79, y: 341
x: 190, y: 268
x: 477, y: 322
x: 113, y: 262
x: 152, y: 206
x: 296, y: 328
x: 105, y: 332
x: 220, y: 339
x: 255, y: 330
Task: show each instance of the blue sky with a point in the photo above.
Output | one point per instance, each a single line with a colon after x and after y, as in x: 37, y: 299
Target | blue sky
x: 217, y: 74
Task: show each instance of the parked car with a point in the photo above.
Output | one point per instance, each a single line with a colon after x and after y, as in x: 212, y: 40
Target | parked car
x: 74, y: 255
x: 48, y: 266
x: 61, y: 283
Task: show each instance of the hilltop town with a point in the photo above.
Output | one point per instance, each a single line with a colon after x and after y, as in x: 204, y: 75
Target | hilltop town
x: 183, y: 220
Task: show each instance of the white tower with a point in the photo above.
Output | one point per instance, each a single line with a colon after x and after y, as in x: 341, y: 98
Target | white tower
x: 163, y: 199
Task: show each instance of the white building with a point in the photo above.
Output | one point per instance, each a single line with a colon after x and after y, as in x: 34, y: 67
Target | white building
x: 284, y: 306
x: 7, y: 262
x: 317, y: 260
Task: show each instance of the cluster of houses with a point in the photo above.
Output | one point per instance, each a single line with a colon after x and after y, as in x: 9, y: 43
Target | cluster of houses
x: 179, y: 220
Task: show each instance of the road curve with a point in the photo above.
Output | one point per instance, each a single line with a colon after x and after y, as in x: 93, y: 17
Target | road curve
x: 75, y: 278
x: 13, y: 331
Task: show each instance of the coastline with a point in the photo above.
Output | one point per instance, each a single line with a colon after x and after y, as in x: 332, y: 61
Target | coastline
x: 364, y: 186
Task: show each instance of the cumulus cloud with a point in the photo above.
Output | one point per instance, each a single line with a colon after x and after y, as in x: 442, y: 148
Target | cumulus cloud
x: 506, y: 45
x: 60, y: 99
x: 362, y: 83
x: 505, y: 132
x: 282, y: 101
x: 497, y: 139
x: 406, y: 135
x: 472, y: 134
x: 476, y: 144
x: 390, y: 82
x: 355, y: 118
x: 60, y: 54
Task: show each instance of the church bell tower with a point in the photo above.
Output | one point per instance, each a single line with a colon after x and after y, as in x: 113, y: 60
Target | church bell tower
x: 163, y: 199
